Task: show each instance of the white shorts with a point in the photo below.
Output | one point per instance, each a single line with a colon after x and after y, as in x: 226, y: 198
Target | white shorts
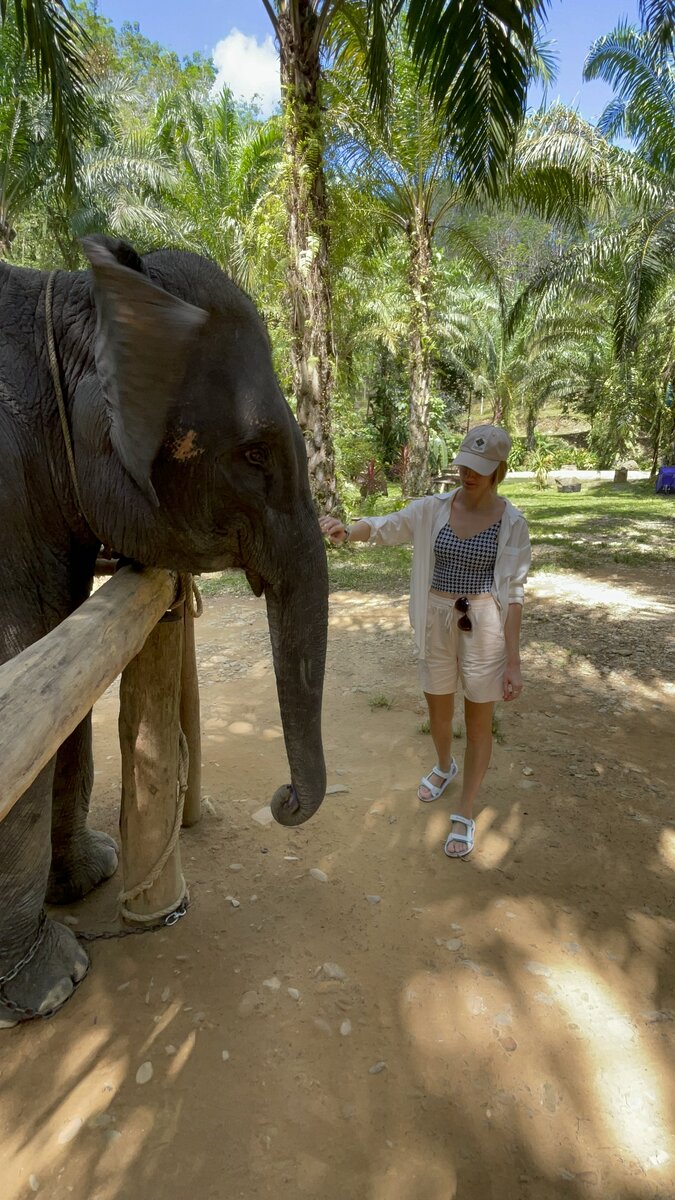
x: 476, y: 659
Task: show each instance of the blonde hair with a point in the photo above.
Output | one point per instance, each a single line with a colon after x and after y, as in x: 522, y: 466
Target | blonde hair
x: 499, y: 474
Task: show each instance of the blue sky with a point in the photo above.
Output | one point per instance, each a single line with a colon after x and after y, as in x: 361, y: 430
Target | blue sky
x: 246, y: 58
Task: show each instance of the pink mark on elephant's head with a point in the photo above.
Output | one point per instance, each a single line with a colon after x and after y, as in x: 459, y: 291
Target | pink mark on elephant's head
x: 185, y: 448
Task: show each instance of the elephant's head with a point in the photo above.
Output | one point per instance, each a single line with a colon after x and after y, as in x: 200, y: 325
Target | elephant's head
x: 190, y: 458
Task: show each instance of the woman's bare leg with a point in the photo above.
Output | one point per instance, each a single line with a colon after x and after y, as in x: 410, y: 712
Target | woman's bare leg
x: 441, y: 709
x: 478, y: 719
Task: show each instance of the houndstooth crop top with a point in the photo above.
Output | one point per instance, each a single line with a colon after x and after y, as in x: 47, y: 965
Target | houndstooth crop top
x: 465, y: 565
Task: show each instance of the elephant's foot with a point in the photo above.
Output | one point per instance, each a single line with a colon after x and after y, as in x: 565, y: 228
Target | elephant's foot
x: 47, y: 980
x: 91, y: 859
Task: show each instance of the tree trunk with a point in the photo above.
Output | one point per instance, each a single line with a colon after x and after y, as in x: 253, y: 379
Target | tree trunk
x: 417, y: 472
x: 308, y: 279
x: 531, y: 427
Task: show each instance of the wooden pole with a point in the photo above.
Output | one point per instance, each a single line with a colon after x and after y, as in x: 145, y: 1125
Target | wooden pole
x: 47, y: 689
x: 190, y: 720
x: 149, y: 741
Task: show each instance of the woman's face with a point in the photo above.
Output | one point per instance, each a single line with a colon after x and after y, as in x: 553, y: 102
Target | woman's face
x: 473, y: 483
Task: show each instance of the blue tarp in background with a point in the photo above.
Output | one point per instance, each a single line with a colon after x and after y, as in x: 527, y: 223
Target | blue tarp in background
x: 665, y: 480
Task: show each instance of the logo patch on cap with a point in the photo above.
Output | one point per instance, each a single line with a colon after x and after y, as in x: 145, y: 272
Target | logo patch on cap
x: 479, y: 443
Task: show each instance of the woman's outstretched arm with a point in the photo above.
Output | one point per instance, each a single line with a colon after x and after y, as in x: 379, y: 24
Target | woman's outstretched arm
x: 339, y: 534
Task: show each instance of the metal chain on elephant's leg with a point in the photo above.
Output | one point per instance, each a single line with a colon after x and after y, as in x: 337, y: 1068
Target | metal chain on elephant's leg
x: 29, y: 955
x: 18, y: 1009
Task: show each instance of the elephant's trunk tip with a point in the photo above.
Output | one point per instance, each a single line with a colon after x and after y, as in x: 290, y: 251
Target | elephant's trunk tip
x: 286, y: 807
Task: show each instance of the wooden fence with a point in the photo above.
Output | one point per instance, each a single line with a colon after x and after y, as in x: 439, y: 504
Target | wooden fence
x: 50, y: 687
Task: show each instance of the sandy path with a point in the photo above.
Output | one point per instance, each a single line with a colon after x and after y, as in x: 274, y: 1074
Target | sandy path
x: 498, y: 1028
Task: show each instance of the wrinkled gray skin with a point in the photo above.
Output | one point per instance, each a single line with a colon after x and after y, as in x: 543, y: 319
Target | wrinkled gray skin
x: 187, y: 457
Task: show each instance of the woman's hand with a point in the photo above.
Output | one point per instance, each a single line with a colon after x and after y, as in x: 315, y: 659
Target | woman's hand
x: 332, y: 528
x: 512, y: 681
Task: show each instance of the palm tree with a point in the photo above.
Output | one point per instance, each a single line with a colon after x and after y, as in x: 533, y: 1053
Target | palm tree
x: 619, y: 210
x: 640, y: 70
x: 26, y: 142
x: 408, y: 167
x: 229, y: 164
x: 473, y: 56
x: 56, y: 45
x: 615, y: 207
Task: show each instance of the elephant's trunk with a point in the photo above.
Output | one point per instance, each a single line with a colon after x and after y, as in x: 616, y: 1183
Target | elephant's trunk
x: 298, y: 618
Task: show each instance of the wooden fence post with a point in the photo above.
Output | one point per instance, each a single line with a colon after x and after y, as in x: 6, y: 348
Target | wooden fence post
x: 47, y: 689
x: 149, y: 741
x: 190, y: 719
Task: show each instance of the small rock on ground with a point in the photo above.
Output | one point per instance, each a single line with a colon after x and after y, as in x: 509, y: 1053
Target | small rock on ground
x: 70, y: 1131
x: 331, y: 970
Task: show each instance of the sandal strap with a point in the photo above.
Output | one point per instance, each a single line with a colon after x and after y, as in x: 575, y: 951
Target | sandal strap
x: 470, y: 824
x: 443, y: 774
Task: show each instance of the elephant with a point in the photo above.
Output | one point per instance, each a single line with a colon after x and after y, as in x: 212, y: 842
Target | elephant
x: 184, y: 454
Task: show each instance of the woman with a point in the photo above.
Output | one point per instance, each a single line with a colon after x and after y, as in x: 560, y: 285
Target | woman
x: 471, y: 555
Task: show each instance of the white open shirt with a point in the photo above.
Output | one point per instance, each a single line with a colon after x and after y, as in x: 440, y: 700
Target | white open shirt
x: 420, y: 523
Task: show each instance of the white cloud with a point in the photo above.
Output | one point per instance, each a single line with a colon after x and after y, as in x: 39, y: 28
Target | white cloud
x: 249, y: 69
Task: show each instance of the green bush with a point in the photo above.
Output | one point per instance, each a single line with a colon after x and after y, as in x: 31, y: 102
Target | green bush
x: 551, y: 452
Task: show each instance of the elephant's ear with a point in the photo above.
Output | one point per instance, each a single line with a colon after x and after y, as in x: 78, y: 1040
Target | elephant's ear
x: 144, y: 338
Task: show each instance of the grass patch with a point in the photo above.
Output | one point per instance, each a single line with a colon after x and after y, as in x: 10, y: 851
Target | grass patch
x: 604, y: 523
x: 221, y: 583
x: 497, y: 731
x: 364, y: 568
x: 379, y: 702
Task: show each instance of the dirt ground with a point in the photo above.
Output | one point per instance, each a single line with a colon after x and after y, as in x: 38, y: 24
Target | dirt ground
x: 404, y: 1027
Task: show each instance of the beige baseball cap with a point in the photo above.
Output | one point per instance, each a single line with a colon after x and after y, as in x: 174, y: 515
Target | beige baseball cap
x: 483, y: 449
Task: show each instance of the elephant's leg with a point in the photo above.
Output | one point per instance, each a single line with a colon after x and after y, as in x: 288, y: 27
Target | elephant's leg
x: 55, y: 961
x: 81, y: 857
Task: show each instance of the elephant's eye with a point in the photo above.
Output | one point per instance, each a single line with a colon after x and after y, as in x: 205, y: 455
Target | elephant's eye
x: 258, y: 455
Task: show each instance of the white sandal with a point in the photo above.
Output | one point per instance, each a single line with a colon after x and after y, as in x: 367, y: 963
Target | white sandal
x: 467, y: 837
x: 446, y: 776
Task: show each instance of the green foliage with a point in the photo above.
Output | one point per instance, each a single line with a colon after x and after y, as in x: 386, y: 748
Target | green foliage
x: 596, y: 527
x: 557, y: 297
x: 550, y: 453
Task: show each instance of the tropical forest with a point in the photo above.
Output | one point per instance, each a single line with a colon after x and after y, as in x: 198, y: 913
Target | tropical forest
x: 421, y: 262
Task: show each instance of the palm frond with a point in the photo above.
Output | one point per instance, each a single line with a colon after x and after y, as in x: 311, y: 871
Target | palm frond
x: 476, y: 60
x: 57, y: 45
x: 658, y: 17
x: 639, y: 70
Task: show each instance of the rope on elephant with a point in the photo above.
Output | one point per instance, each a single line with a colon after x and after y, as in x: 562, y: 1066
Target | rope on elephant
x: 193, y: 597
x: 188, y: 593
x: 154, y: 874
x: 60, y: 402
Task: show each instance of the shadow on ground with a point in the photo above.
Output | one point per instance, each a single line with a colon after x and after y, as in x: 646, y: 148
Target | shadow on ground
x: 499, y: 1029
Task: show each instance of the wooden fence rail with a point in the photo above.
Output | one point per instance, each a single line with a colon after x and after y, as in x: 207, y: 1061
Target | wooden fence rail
x: 50, y: 687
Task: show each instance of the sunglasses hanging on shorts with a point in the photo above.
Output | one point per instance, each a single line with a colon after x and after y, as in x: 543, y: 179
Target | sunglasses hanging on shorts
x: 462, y: 605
